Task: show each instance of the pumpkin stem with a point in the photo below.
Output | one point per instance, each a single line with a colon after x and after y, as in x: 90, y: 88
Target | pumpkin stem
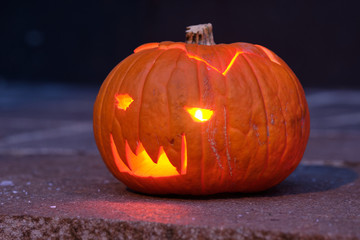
x: 200, y: 34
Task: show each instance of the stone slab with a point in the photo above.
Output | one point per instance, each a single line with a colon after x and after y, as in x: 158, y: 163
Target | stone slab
x: 77, y: 197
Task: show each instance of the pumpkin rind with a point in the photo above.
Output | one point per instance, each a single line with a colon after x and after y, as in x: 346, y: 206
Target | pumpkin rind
x: 254, y: 140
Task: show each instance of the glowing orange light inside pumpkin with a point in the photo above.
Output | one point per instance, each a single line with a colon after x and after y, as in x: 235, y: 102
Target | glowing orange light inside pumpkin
x: 200, y: 114
x: 123, y: 101
x: 202, y: 60
x: 140, y: 163
x: 227, y: 68
x: 231, y: 63
x: 183, y: 155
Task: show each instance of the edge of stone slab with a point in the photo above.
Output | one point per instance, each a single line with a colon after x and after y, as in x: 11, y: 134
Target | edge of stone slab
x: 36, y: 227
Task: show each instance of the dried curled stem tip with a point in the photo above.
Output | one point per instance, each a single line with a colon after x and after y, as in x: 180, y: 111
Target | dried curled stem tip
x: 200, y: 34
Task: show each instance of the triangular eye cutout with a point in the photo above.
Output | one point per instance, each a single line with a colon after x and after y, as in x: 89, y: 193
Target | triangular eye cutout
x: 123, y: 101
x: 199, y: 114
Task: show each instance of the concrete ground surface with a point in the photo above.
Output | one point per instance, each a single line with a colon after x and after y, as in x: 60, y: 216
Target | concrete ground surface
x: 53, y: 183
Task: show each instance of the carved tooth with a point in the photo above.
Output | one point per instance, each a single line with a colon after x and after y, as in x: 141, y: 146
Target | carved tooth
x: 118, y: 161
x: 152, y: 148
x: 129, y: 153
x: 183, y: 155
x: 160, y: 154
x: 120, y: 142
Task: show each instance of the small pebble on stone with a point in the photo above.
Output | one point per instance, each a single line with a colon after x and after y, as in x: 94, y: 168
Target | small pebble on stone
x: 6, y: 183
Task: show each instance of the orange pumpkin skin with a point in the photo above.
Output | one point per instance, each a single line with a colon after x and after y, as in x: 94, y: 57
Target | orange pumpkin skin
x: 255, y: 138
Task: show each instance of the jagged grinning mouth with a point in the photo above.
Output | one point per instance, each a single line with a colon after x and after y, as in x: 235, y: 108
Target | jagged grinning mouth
x: 141, y: 165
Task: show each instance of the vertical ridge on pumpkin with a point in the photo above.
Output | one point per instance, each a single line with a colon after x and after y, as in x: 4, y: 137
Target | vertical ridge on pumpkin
x: 285, y: 129
x: 299, y: 92
x: 183, y: 89
x: 172, y: 145
x: 153, y: 155
x: 304, y: 111
x: 117, y: 89
x: 119, y: 140
x: 239, y: 106
x: 276, y: 115
x: 130, y: 119
x: 290, y: 146
x: 266, y: 113
x: 202, y: 164
x: 107, y: 111
x: 153, y: 114
x: 227, y: 143
x: 229, y: 56
x: 213, y: 95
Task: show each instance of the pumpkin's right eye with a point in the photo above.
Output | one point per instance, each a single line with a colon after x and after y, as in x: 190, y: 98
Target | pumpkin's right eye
x: 123, y: 101
x: 199, y: 114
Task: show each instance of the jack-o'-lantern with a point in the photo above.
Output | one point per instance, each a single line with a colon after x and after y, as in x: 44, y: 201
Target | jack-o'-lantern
x: 201, y: 118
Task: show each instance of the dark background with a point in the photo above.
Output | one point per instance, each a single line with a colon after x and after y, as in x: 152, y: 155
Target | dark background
x: 81, y: 41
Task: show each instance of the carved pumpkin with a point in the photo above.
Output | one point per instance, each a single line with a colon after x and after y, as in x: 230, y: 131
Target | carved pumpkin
x: 197, y: 119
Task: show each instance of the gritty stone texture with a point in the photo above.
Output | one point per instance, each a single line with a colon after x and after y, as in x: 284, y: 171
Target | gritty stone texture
x: 53, y: 183
x: 316, y: 201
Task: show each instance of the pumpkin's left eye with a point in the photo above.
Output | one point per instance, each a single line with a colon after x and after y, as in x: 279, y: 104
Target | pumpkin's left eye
x: 123, y: 101
x: 200, y: 114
